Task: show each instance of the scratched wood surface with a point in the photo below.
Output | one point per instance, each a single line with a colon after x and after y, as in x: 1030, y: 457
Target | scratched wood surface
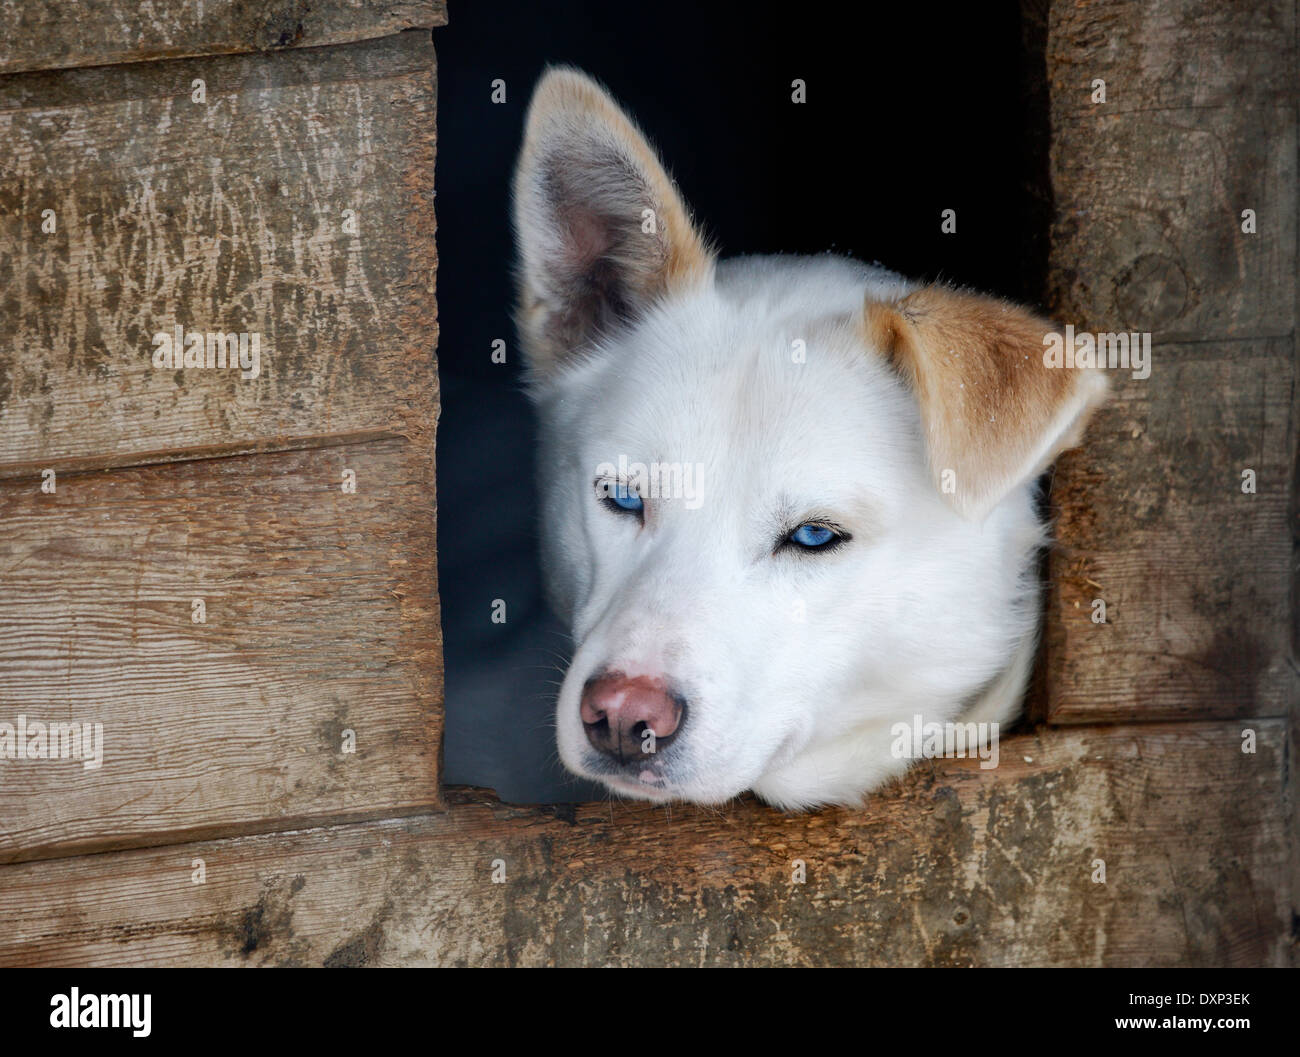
x: 320, y: 617
x: 295, y: 202
x: 225, y: 214
x: 1149, y: 187
x: 952, y: 866
x: 46, y: 36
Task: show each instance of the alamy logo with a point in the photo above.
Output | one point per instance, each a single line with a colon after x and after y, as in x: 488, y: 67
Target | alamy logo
x: 214, y: 348
x: 919, y: 740
x: 658, y: 480
x: 34, y: 740
x: 1084, y: 350
x: 76, y: 1010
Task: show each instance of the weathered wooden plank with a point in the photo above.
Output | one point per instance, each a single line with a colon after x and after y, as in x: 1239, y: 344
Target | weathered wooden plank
x: 1293, y: 816
x: 294, y: 203
x: 952, y: 866
x: 1149, y: 188
x: 1148, y: 232
x: 321, y: 616
x: 1171, y: 53
x: 1293, y: 770
x: 1193, y: 571
x: 1197, y: 125
x: 37, y: 36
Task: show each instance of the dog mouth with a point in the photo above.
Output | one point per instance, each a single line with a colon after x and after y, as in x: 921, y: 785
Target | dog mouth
x: 643, y: 779
x: 646, y: 786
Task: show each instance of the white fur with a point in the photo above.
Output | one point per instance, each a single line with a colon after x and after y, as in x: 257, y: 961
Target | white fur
x: 917, y: 614
x: 794, y: 666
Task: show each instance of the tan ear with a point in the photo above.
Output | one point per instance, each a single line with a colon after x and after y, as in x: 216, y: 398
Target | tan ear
x: 994, y: 413
x: 601, y: 230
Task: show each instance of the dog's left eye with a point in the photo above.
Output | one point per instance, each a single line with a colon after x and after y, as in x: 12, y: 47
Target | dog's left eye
x: 813, y: 537
x: 623, y: 500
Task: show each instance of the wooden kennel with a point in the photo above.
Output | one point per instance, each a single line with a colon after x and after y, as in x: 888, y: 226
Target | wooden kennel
x: 239, y: 581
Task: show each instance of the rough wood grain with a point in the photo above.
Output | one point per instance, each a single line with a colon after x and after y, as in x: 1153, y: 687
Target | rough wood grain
x: 1172, y: 53
x: 1199, y: 124
x: 37, y: 36
x: 229, y: 215
x: 321, y: 617
x: 1293, y: 769
x: 1147, y: 234
x: 1292, y: 808
x: 1193, y: 571
x: 324, y: 612
x: 952, y: 866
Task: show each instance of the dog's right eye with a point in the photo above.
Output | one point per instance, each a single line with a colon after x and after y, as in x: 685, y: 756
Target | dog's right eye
x: 813, y: 537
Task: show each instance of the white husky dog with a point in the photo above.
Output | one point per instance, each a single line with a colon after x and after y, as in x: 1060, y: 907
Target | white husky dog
x: 788, y: 503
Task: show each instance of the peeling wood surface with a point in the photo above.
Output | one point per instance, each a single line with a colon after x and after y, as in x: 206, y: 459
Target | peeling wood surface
x: 223, y: 216
x: 320, y: 617
x: 952, y: 866
x: 37, y: 36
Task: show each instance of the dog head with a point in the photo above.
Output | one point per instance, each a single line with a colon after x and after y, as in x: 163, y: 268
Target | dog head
x: 785, y: 502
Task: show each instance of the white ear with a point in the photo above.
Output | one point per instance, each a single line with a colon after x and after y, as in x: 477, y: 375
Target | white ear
x: 601, y: 230
x: 994, y: 413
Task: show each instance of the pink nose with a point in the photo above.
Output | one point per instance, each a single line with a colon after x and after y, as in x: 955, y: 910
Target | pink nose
x: 618, y: 714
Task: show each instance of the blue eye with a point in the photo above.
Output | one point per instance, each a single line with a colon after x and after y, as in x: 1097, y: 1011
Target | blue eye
x: 624, y: 499
x: 812, y: 536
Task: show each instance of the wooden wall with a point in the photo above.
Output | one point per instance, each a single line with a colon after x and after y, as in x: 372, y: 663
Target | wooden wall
x: 1199, y: 125
x: 223, y: 739
x: 293, y: 197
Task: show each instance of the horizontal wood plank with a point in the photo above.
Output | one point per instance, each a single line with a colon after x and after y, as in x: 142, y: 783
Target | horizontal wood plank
x: 320, y: 617
x: 38, y: 36
x: 1193, y: 571
x: 953, y: 865
x: 295, y: 203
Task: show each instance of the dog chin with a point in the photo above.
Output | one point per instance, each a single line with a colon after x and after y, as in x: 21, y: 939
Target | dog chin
x: 661, y: 792
x: 656, y: 794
